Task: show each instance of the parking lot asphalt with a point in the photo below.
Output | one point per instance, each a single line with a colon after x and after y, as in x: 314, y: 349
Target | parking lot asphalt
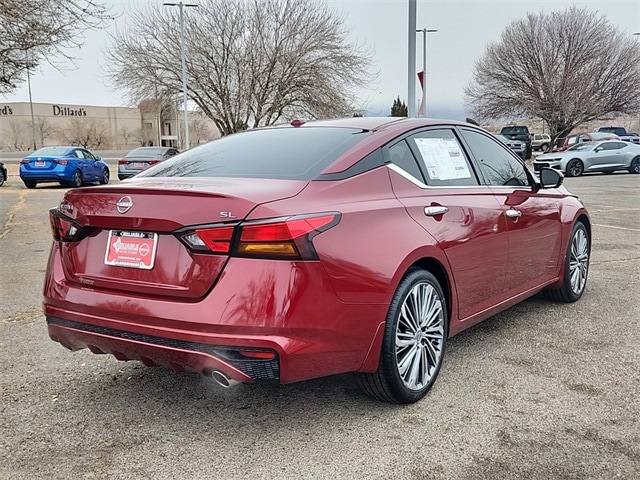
x: 541, y: 391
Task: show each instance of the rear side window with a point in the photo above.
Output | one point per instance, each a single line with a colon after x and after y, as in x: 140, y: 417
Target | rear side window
x: 280, y: 153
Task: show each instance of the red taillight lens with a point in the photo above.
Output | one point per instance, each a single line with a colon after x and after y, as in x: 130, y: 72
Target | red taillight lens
x: 154, y: 162
x: 61, y: 162
x: 283, y: 238
x: 290, y: 238
x: 215, y: 239
x: 122, y: 162
x: 24, y: 161
x: 63, y: 228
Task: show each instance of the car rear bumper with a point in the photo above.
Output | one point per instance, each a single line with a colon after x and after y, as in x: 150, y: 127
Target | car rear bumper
x: 257, y: 305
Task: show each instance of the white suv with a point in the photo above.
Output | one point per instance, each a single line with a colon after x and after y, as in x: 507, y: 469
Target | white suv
x: 541, y: 141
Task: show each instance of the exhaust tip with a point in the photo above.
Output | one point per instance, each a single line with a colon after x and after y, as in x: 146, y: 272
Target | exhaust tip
x: 223, y: 380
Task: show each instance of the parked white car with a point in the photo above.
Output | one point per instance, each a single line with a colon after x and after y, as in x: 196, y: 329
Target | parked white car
x: 541, y: 141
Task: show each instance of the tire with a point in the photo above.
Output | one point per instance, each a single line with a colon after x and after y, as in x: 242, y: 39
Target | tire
x: 529, y: 153
x: 30, y: 183
x: 575, y: 168
x: 576, y: 267
x: 635, y: 165
x: 544, y: 147
x: 411, y: 354
x: 77, y: 179
x: 2, y: 179
x: 105, y: 177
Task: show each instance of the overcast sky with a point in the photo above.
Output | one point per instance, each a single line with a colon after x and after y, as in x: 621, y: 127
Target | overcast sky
x: 464, y: 30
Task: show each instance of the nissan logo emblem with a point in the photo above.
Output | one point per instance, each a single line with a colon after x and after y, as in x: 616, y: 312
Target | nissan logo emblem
x: 124, y: 204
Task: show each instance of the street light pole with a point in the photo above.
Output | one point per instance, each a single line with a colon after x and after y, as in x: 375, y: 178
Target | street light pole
x: 424, y: 67
x: 181, y: 6
x: 33, y: 123
x: 411, y: 70
x: 638, y: 33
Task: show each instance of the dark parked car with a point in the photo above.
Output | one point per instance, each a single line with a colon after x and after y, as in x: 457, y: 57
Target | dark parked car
x: 142, y: 158
x: 70, y: 166
x: 519, y: 133
x: 293, y: 252
x: 3, y: 173
x: 519, y: 148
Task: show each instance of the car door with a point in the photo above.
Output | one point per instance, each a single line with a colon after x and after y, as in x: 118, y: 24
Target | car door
x: 532, y: 216
x: 607, y: 154
x: 91, y: 169
x: 434, y: 180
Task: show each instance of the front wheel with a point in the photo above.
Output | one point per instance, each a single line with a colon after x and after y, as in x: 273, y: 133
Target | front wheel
x: 575, y: 168
x: 576, y: 267
x: 413, y: 346
x: 635, y: 165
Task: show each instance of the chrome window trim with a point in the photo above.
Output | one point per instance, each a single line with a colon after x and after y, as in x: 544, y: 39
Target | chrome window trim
x: 424, y: 186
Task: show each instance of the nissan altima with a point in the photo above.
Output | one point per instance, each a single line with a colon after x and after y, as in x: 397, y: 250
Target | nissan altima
x: 605, y: 156
x: 299, y: 251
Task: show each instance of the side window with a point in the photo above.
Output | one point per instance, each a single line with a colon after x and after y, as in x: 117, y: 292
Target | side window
x: 442, y: 158
x: 88, y: 155
x: 78, y: 154
x: 401, y: 156
x: 498, y: 164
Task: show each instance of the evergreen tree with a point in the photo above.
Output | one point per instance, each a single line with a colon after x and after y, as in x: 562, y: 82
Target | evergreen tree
x: 399, y: 109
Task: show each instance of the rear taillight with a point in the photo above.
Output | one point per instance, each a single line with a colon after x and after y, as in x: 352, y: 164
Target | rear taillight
x: 65, y: 229
x: 122, y: 161
x: 154, y: 162
x: 24, y: 161
x: 283, y: 238
x: 61, y: 162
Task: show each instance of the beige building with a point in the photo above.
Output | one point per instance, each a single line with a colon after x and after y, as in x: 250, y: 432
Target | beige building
x: 97, y: 127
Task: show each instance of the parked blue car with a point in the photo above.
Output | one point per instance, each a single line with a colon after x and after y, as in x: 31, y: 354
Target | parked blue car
x: 68, y: 165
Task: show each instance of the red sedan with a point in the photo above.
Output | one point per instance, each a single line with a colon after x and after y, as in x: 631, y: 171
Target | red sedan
x: 294, y: 252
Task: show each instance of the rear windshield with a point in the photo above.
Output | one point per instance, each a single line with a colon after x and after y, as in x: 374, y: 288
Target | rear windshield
x: 514, y: 131
x: 147, y: 152
x: 283, y: 153
x: 51, y: 151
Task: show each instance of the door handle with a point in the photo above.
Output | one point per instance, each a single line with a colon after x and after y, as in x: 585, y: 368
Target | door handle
x: 434, y: 211
x: 513, y: 213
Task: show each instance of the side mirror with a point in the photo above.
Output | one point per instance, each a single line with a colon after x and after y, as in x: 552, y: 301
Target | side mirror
x: 550, y: 178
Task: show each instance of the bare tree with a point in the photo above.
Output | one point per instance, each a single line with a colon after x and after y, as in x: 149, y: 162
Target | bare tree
x: 86, y: 133
x: 38, y: 30
x: 126, y: 133
x: 144, y: 135
x: 16, y: 135
x: 567, y: 68
x: 249, y: 62
x: 44, y: 129
x: 199, y: 130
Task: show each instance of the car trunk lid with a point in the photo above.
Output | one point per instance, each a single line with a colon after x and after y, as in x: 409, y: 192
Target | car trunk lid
x: 129, y: 239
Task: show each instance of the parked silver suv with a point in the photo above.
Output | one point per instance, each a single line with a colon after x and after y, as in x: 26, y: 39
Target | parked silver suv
x: 541, y: 141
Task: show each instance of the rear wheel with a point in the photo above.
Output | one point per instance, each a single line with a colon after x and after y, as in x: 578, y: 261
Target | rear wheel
x: 77, y: 179
x: 414, y: 341
x: 575, y: 168
x: 30, y: 183
x: 635, y: 165
x: 576, y: 267
x: 2, y: 179
x: 544, y: 147
x: 105, y: 177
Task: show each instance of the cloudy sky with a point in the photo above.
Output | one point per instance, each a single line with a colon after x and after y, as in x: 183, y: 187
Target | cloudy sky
x: 464, y: 30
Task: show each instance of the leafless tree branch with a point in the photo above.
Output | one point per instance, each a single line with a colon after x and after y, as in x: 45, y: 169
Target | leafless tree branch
x: 567, y: 68
x: 249, y: 62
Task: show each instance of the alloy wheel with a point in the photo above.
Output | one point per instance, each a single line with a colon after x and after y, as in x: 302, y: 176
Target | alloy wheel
x: 579, y: 261
x: 419, y: 336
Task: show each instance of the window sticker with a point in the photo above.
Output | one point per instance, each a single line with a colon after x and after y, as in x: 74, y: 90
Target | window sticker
x: 443, y: 158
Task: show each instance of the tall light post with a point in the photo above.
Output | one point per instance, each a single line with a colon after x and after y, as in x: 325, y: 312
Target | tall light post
x: 637, y: 34
x: 424, y: 31
x: 33, y: 123
x: 181, y: 6
x: 411, y: 64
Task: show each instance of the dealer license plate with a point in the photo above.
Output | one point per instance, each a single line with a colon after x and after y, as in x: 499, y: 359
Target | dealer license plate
x: 40, y: 163
x: 131, y: 249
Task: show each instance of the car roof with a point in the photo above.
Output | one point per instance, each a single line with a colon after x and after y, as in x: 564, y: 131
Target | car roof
x: 375, y: 123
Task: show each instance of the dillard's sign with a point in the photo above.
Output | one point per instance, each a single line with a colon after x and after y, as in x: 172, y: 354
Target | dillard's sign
x: 59, y: 111
x: 6, y: 110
